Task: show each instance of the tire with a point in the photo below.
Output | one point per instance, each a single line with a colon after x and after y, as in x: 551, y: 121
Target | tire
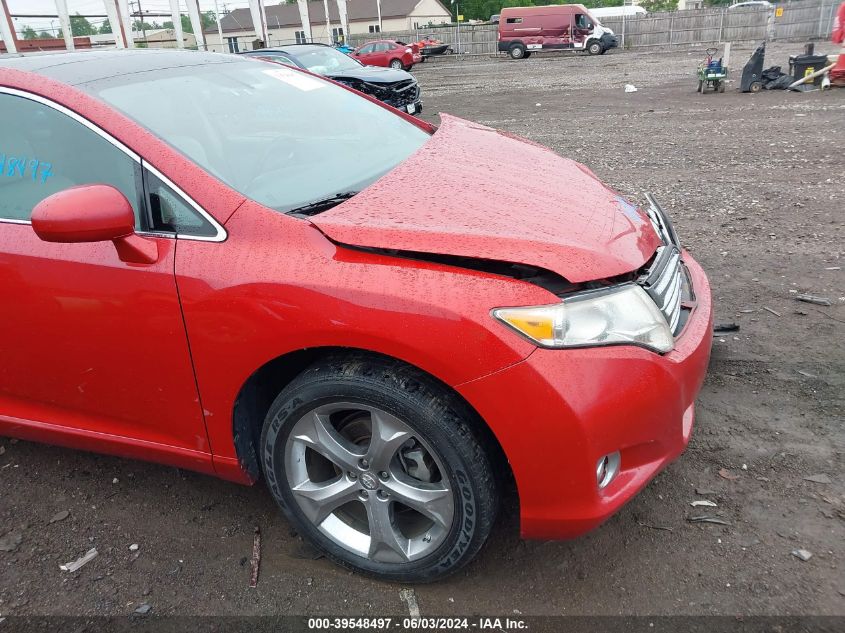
x: 755, y: 87
x: 516, y: 51
x: 701, y: 86
x: 527, y: 54
x: 721, y: 87
x: 397, y: 64
x: 594, y: 47
x: 433, y: 460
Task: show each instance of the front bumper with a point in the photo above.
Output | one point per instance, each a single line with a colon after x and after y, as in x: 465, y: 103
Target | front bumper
x: 558, y: 411
x: 609, y: 41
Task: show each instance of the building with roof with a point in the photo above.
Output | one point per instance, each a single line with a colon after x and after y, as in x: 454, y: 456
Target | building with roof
x: 152, y: 38
x: 285, y: 25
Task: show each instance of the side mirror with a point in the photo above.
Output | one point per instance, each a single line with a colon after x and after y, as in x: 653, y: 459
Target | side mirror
x: 93, y: 213
x: 88, y: 213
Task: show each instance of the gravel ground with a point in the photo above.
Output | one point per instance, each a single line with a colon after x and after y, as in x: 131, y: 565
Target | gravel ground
x: 755, y: 184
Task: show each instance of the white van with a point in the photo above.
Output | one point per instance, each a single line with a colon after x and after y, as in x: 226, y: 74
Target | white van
x: 618, y: 12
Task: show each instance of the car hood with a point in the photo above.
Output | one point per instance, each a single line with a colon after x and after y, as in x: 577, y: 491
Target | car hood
x: 372, y: 74
x: 472, y: 191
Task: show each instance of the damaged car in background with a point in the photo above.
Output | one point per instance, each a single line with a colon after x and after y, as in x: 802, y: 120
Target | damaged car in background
x: 393, y: 86
x: 398, y: 327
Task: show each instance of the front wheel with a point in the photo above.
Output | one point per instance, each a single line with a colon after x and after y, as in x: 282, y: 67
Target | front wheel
x: 594, y: 47
x: 397, y: 64
x: 516, y: 51
x: 377, y: 465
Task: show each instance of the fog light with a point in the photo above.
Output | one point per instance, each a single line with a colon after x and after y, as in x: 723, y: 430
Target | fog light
x: 607, y: 468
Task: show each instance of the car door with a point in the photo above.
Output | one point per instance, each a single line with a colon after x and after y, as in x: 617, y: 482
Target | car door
x: 582, y: 28
x: 382, y: 53
x: 93, y: 346
x: 364, y: 53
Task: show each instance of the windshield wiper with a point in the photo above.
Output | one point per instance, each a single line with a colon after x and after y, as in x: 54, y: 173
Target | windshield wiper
x: 314, y: 208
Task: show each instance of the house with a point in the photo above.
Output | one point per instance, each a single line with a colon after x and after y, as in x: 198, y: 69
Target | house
x: 154, y: 38
x: 284, y: 24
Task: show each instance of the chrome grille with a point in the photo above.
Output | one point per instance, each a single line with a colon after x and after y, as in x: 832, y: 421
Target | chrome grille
x: 667, y: 284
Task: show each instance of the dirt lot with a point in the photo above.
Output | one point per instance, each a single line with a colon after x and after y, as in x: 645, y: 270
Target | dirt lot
x: 756, y: 187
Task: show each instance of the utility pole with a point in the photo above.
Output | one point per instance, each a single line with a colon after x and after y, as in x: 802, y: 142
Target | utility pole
x: 140, y: 15
x: 219, y: 27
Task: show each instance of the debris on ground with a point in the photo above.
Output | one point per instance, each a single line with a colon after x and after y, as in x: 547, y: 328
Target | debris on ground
x: 807, y: 374
x: 630, y: 88
x: 256, y: 558
x: 814, y: 299
x: 705, y: 492
x: 59, y: 516
x: 803, y: 554
x: 774, y: 78
x: 656, y: 527
x: 706, y: 518
x: 775, y: 312
x: 724, y: 473
x: 144, y: 609
x: 408, y: 596
x: 703, y: 502
x: 719, y: 328
x: 9, y: 542
x: 821, y: 478
x: 90, y: 555
x: 133, y: 547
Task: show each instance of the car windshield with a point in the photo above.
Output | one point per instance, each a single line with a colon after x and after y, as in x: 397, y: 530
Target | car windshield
x: 279, y: 136
x: 326, y: 60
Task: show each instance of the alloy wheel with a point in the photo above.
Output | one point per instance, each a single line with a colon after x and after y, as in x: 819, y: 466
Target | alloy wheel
x: 369, y: 482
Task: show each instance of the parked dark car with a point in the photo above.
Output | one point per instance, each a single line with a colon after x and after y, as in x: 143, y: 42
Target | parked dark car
x: 397, y: 88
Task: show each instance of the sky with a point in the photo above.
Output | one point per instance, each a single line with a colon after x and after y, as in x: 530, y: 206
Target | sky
x: 96, y: 7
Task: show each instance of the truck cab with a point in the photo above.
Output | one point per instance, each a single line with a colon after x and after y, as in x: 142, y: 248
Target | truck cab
x: 523, y: 30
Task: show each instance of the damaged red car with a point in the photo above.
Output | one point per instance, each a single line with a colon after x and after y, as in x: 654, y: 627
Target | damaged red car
x: 239, y: 268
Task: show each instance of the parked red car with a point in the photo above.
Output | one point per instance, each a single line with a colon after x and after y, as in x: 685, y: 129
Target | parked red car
x: 388, y: 53
x: 196, y: 275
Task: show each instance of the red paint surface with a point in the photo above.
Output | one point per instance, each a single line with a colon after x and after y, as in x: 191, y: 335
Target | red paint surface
x: 146, y: 359
x: 477, y: 192
x: 383, y: 58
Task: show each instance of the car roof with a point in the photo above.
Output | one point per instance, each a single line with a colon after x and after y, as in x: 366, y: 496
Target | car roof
x: 288, y: 48
x: 83, y: 67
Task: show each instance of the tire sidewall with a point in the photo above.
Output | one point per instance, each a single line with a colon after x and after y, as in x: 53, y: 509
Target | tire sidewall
x: 594, y: 44
x: 393, y: 64
x: 460, y: 544
x: 516, y: 48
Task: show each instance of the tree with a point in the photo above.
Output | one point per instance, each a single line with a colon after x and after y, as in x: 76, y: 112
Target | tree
x: 44, y: 35
x: 138, y: 26
x: 80, y: 26
x: 186, y: 24
x: 656, y: 6
x: 105, y: 27
x: 29, y: 33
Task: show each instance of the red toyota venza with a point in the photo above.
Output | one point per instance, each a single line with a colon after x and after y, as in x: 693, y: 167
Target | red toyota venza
x: 236, y: 267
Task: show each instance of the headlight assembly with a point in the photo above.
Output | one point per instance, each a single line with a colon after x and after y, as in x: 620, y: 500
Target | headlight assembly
x: 620, y: 315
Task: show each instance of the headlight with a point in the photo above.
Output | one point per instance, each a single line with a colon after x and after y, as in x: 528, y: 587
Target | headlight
x: 613, y: 316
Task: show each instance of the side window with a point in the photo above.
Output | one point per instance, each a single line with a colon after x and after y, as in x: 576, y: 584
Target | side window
x: 43, y: 151
x: 583, y: 22
x: 383, y: 47
x: 514, y: 20
x: 367, y: 49
x: 170, y: 213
